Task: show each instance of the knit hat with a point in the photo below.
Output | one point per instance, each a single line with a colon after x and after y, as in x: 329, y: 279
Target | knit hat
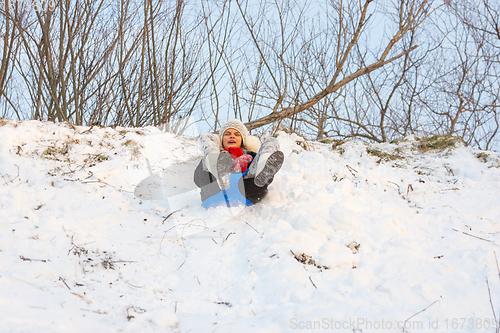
x: 237, y: 125
x: 252, y: 143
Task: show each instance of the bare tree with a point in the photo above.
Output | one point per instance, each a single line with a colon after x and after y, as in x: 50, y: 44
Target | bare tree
x: 323, y: 69
x: 12, y: 11
x: 465, y: 96
x: 353, y: 18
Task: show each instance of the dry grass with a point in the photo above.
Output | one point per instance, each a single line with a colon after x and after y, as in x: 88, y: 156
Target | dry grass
x: 57, y: 154
x: 130, y: 143
x: 382, y: 155
x: 308, y: 260
x: 95, y: 158
x: 483, y: 157
x: 438, y: 143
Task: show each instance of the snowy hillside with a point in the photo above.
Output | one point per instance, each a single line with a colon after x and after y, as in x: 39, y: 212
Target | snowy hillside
x: 352, y: 238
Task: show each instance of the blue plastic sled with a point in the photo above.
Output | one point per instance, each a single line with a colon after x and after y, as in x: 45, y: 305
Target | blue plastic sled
x: 231, y: 197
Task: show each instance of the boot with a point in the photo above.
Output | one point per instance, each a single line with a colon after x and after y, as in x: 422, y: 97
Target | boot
x: 209, y: 145
x: 224, y: 165
x: 266, y: 163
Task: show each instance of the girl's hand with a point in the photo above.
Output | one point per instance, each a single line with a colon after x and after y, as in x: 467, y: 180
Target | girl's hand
x: 240, y: 164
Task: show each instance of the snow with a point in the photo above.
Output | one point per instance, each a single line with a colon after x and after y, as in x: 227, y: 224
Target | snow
x: 79, y: 252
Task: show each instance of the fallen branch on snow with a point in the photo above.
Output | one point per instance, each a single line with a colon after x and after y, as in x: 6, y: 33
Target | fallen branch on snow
x: 10, y: 181
x: 417, y: 314
x: 465, y: 233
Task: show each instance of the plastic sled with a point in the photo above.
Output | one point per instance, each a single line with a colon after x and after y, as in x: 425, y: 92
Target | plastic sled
x: 231, y: 197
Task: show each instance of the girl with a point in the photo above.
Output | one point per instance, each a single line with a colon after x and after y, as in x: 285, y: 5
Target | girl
x: 235, y: 166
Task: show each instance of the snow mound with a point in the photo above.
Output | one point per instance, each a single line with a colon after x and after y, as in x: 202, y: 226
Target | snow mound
x: 351, y: 237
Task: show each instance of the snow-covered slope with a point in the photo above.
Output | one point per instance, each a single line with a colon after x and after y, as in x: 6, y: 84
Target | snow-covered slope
x: 352, y: 238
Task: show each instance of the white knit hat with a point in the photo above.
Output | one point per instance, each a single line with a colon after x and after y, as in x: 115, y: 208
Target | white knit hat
x: 252, y: 143
x: 237, y: 125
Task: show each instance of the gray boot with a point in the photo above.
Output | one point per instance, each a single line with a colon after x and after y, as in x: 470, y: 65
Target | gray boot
x: 266, y: 163
x: 209, y: 146
x: 224, y: 165
x: 214, y: 161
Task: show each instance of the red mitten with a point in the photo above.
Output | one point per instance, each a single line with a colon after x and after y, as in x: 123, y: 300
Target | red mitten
x: 240, y: 164
x: 235, y: 151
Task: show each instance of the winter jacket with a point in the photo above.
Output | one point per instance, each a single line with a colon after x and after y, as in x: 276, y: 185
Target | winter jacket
x: 209, y: 187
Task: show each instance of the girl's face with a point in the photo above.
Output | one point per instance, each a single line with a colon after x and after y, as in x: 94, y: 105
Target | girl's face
x: 231, y: 138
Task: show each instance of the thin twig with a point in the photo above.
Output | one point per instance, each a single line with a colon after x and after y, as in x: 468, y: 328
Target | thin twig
x: 98, y: 312
x: 465, y: 233
x: 497, y: 321
x: 129, y: 316
x: 498, y: 268
x: 10, y: 181
x: 175, y: 211
x: 251, y: 227
x: 399, y: 188
x: 137, y: 310
x: 103, y: 182
x: 4, y: 179
x: 450, y: 189
x: 164, y: 234
x: 410, y: 187
x: 132, y: 285
x: 87, y: 131
x: 312, y: 283
x: 97, y: 181
x: 351, y: 170
x: 417, y: 314
x: 61, y: 279
x: 29, y: 259
x: 491, y: 302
